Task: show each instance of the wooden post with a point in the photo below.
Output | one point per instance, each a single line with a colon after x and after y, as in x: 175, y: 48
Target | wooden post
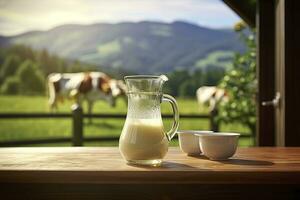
x: 214, y: 126
x: 287, y: 72
x: 77, y: 138
x: 265, y: 20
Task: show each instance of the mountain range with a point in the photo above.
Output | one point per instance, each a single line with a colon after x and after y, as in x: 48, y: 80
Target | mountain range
x: 142, y: 47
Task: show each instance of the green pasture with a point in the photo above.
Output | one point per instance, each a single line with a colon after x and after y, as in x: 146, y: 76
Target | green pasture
x: 20, y: 129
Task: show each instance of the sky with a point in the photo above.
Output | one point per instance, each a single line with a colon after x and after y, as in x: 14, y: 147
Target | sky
x: 18, y: 16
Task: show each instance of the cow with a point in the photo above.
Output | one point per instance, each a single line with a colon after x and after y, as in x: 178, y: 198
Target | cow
x: 211, y: 96
x: 89, y: 86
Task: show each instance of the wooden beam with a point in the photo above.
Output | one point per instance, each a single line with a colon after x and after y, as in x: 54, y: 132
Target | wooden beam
x: 245, y: 9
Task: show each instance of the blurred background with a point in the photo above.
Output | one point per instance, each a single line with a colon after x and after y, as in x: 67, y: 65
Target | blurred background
x: 196, y: 43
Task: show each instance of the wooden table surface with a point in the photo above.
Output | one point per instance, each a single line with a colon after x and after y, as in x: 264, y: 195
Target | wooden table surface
x: 262, y: 165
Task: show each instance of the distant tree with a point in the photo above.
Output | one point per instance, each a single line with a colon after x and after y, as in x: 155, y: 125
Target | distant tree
x: 213, y: 75
x: 11, y: 86
x: 9, y: 67
x: 241, y: 84
x: 199, y: 77
x: 2, y: 56
x: 50, y: 63
x: 23, y: 51
x: 31, y: 78
x: 176, y: 78
x: 45, y: 62
x: 188, y: 88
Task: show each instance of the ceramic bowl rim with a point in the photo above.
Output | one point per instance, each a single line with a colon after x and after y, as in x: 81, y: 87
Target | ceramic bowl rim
x: 219, y: 134
x: 193, y: 132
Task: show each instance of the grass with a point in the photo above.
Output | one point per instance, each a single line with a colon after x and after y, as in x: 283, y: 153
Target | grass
x: 222, y: 59
x: 18, y: 129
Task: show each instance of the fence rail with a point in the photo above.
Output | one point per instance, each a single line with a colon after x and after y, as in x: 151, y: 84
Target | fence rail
x: 77, y: 117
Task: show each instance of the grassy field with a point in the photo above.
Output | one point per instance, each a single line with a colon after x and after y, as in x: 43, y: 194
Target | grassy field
x: 18, y: 129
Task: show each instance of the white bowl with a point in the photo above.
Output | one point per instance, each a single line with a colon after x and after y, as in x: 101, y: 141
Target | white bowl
x: 218, y: 146
x: 189, y: 142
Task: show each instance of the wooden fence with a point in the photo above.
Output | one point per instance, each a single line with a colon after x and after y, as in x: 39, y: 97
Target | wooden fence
x: 77, y: 117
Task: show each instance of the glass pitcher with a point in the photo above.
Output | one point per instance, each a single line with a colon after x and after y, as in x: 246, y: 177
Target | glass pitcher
x: 143, y: 139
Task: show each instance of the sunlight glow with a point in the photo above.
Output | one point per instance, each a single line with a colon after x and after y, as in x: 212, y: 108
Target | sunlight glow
x: 18, y: 16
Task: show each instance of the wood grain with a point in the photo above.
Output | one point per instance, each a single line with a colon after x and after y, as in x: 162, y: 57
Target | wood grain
x: 263, y: 165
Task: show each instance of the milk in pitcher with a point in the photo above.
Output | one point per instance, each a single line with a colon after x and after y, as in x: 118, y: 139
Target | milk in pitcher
x: 143, y: 139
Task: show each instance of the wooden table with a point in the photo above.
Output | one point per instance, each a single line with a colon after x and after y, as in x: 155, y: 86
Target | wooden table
x: 101, y: 173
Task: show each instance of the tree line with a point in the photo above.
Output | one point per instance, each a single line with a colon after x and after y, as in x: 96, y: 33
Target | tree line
x: 24, y: 70
x: 184, y: 83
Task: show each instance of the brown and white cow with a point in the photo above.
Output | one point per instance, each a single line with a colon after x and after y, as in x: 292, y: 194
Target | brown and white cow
x: 211, y: 96
x: 89, y: 86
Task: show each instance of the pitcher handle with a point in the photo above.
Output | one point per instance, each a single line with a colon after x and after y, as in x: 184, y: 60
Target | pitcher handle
x: 171, y: 133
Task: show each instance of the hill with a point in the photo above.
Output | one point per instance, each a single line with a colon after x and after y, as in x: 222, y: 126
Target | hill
x: 143, y: 47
